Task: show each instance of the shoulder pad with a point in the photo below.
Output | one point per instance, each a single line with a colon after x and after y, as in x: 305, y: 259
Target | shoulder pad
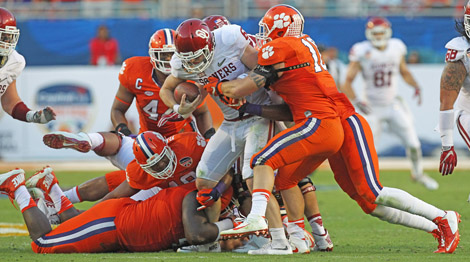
x: 230, y: 34
x: 458, y: 43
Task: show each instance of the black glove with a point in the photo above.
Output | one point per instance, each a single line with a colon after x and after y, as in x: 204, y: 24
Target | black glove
x: 268, y: 72
x: 122, y: 128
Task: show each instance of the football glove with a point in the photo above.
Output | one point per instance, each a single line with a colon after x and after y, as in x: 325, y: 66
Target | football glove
x: 213, y: 87
x: 170, y: 116
x: 418, y: 95
x: 207, y: 197
x: 448, y: 160
x: 41, y: 116
x: 123, y: 129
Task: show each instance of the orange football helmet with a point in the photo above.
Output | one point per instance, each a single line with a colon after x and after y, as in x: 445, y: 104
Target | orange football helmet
x: 378, y: 31
x: 280, y: 21
x: 153, y: 154
x: 9, y: 34
x: 161, y: 49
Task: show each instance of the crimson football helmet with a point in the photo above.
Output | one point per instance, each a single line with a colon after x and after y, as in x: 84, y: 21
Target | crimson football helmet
x: 161, y: 49
x: 153, y: 154
x: 279, y: 21
x: 378, y: 31
x: 195, y: 44
x: 9, y: 34
x: 466, y: 19
x: 215, y: 21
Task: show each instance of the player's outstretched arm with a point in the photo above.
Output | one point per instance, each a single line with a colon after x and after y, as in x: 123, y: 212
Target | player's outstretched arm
x: 353, y: 69
x: 121, y: 104
x: 409, y: 79
x: 123, y: 190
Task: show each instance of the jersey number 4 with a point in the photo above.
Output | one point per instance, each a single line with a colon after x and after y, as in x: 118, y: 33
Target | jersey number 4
x: 319, y: 65
x: 151, y: 109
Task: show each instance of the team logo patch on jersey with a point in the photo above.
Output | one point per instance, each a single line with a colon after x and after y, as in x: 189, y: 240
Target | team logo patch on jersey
x: 72, y: 102
x: 148, y: 93
x: 281, y: 20
x: 186, y: 161
x: 267, y: 52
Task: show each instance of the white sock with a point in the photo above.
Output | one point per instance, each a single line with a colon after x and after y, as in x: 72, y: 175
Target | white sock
x: 259, y: 202
x: 72, y: 195
x: 295, y: 230
x: 96, y: 140
x: 316, y: 223
x: 22, y: 197
x: 403, y: 218
x: 278, y: 237
x: 399, y: 199
x: 223, y: 225
x: 415, y: 156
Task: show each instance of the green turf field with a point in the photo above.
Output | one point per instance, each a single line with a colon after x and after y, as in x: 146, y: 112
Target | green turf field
x: 356, y: 236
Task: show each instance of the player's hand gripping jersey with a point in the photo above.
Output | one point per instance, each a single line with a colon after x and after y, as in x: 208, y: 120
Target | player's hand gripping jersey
x: 188, y: 148
x: 138, y: 76
x: 380, y: 69
x: 231, y: 42
x: 11, y: 70
x: 306, y: 90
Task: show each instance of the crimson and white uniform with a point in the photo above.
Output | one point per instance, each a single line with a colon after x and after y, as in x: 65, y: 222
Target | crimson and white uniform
x: 380, y: 70
x: 11, y: 70
x: 458, y: 50
x: 234, y: 136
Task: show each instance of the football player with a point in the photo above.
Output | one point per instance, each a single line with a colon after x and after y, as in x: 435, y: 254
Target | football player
x: 355, y: 165
x: 166, y: 220
x: 455, y: 82
x: 225, y: 54
x: 381, y: 59
x: 11, y: 66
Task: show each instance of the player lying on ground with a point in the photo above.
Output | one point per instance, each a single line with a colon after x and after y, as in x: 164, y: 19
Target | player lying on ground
x: 168, y: 219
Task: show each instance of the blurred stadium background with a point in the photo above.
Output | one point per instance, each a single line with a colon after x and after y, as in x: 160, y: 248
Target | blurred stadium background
x: 55, y: 38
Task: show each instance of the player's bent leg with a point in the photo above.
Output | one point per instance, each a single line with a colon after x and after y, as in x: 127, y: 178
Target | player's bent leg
x: 124, y: 155
x: 91, y: 232
x: 110, y: 145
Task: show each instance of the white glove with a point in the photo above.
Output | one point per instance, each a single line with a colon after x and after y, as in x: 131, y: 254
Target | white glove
x: 41, y: 116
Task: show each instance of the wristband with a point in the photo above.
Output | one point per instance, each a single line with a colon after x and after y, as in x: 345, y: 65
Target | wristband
x: 176, y: 107
x: 19, y: 111
x: 123, y: 128
x: 446, y: 127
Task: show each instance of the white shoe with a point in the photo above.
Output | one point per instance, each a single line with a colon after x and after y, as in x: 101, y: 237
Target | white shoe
x: 323, y: 242
x: 253, y: 224
x: 310, y: 240
x: 426, y: 181
x: 299, y: 245
x: 213, y: 247
x: 45, y: 204
x: 253, y: 243
x: 80, y: 142
x: 268, y: 249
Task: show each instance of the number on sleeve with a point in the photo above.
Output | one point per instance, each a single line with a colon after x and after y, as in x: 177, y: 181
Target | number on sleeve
x: 451, y: 54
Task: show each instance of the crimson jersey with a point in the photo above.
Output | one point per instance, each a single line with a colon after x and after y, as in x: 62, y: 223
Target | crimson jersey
x: 137, y: 75
x: 306, y: 90
x: 188, y: 148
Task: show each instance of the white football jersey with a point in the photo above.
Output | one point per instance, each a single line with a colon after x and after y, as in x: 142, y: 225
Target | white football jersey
x: 11, y: 70
x: 380, y: 69
x: 459, y: 49
x: 230, y: 44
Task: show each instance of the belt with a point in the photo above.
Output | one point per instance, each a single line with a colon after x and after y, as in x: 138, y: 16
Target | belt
x: 239, y: 118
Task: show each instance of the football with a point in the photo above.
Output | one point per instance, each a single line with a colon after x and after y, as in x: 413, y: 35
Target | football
x: 191, y: 90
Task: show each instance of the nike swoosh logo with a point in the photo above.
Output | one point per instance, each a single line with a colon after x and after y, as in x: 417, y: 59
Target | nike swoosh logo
x: 68, y: 144
x: 285, y: 248
x: 450, y: 245
x: 3, y: 79
x: 221, y: 62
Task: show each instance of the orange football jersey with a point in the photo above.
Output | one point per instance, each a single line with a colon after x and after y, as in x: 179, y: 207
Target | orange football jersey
x: 188, y: 148
x: 138, y: 77
x: 306, y: 90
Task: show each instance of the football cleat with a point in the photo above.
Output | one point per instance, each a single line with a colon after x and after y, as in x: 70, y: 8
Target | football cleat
x: 426, y: 181
x: 253, y: 224
x: 323, y: 242
x: 253, y: 243
x: 80, y: 142
x: 213, y: 247
x: 11, y: 181
x: 43, y: 179
x: 441, y: 245
x: 310, y: 240
x: 269, y: 249
x: 449, y: 226
x: 45, y: 205
x: 299, y: 245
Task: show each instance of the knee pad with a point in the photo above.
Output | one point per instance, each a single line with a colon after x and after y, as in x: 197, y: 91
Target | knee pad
x: 306, y: 185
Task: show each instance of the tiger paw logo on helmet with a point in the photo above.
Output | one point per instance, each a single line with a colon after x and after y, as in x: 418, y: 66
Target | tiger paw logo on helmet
x: 267, y: 52
x: 281, y: 20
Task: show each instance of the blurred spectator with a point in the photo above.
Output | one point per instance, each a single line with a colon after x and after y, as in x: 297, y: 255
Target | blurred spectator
x: 104, y: 49
x: 437, y: 3
x: 335, y: 66
x: 197, y: 11
x: 413, y: 58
